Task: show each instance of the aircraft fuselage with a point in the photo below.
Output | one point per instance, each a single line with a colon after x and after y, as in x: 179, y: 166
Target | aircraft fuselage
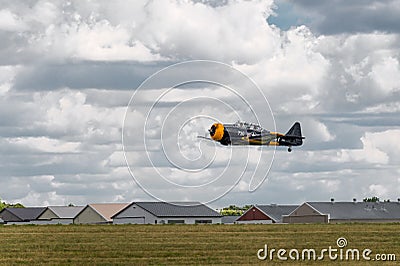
x: 242, y: 133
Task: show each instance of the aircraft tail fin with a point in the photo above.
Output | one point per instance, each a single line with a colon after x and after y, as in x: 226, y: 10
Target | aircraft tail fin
x: 295, y: 130
x: 293, y: 137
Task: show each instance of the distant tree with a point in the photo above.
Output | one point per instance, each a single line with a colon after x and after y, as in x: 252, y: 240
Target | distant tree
x: 71, y: 205
x: 373, y: 199
x: 227, y: 212
x: 10, y: 205
x: 16, y: 205
x: 234, y: 210
x: 2, y: 205
x: 246, y: 207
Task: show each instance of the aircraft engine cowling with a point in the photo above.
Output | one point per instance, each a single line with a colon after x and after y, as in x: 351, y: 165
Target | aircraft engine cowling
x: 220, y: 134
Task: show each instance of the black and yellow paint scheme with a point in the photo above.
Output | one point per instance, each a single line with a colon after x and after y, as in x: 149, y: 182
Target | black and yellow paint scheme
x: 242, y: 133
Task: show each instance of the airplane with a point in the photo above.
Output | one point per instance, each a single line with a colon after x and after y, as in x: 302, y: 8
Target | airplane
x: 243, y: 133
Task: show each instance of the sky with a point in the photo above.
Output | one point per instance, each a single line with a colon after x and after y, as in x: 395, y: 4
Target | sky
x: 103, y: 101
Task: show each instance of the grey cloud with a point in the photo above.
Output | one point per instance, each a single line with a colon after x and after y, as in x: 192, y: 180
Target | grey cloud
x: 368, y: 121
x: 287, y: 188
x: 108, y: 98
x: 10, y: 49
x: 43, y: 164
x: 342, y: 16
x: 99, y: 75
x: 213, y: 3
x: 14, y: 187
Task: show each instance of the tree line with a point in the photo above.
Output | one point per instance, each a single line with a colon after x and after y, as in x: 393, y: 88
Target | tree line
x: 234, y: 210
x: 4, y: 205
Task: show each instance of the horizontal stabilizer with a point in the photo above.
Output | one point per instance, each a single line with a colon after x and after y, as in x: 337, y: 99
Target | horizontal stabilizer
x: 293, y: 137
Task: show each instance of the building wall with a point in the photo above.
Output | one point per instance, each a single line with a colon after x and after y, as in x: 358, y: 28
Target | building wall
x: 255, y: 222
x: 18, y: 223
x: 364, y: 221
x: 254, y: 214
x: 127, y: 220
x: 190, y: 220
x: 305, y: 214
x: 166, y: 220
x: 134, y: 215
x: 89, y: 216
x: 47, y: 215
x: 60, y: 221
x: 8, y: 216
x: 137, y: 215
x: 304, y: 210
x: 44, y: 222
x: 292, y: 219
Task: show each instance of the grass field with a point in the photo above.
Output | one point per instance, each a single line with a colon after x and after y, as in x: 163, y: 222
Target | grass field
x: 189, y: 244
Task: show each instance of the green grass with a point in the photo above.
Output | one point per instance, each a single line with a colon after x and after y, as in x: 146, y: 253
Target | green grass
x: 186, y: 244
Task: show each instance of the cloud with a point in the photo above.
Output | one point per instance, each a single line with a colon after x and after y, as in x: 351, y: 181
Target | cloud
x: 58, y: 31
x: 9, y: 21
x: 82, y: 75
x: 379, y: 190
x: 150, y: 31
x: 340, y: 16
x: 385, y: 74
x: 232, y: 32
x: 43, y: 144
x: 68, y: 70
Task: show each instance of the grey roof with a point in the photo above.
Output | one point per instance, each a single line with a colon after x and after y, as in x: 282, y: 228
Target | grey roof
x: 275, y: 212
x: 66, y: 212
x: 107, y: 210
x: 1, y: 221
x: 358, y: 210
x: 229, y: 219
x: 26, y: 214
x: 177, y: 209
